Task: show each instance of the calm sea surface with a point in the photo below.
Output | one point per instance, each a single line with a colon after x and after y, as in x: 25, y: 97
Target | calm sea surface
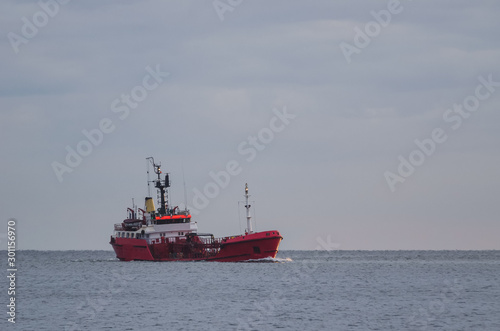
x: 303, y: 290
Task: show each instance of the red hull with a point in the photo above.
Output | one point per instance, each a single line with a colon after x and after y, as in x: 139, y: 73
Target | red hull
x: 252, y: 246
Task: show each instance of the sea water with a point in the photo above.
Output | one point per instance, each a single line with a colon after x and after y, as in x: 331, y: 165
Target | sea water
x: 299, y: 290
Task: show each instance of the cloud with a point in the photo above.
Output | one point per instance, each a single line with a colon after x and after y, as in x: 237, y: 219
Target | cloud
x: 353, y: 120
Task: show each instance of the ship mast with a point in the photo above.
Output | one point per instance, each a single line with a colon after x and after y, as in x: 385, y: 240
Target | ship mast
x: 160, y: 185
x: 247, y: 206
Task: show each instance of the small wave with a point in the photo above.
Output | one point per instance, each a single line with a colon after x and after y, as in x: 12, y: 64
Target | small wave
x: 272, y: 260
x: 96, y: 260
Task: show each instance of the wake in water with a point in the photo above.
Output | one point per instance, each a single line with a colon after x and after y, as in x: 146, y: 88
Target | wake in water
x: 271, y: 260
x: 114, y: 259
x: 263, y: 260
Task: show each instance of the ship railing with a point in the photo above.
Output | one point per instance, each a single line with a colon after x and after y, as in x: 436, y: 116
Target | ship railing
x: 206, y: 240
x: 179, y: 248
x: 118, y: 227
x: 173, y: 240
x: 207, y: 243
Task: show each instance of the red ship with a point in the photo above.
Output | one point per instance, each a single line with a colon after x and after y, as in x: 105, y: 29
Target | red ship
x: 169, y: 234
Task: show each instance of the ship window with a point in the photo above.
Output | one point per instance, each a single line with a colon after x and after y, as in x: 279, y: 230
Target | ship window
x: 267, y: 234
x: 127, y: 234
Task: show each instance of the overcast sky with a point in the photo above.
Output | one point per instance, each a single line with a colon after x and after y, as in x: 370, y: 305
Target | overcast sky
x: 366, y: 125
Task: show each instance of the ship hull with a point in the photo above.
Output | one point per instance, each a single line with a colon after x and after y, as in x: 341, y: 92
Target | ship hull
x: 254, y: 246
